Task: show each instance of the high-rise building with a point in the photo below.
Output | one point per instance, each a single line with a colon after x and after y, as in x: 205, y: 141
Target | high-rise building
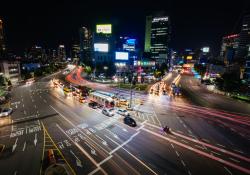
x: 148, y: 34
x: 244, y: 40
x: 2, y: 45
x: 85, y: 46
x: 35, y: 54
x: 229, y: 48
x: 61, y: 53
x: 75, y: 53
x: 159, y: 27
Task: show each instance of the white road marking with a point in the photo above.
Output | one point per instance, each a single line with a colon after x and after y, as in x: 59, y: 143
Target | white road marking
x: 23, y: 105
x: 199, y: 146
x: 189, y: 173
x: 92, y: 150
x: 234, y: 160
x: 132, y: 156
x: 220, y: 145
x: 14, y: 146
x: 35, y: 140
x: 45, y: 101
x: 78, y: 161
x: 83, y: 151
x: 228, y: 170
x: 184, y: 141
x: 124, y: 143
x: 177, y: 153
x: 239, y: 151
x: 24, y: 145
x: 183, y: 163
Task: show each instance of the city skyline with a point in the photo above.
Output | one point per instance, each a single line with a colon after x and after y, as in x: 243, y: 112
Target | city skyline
x: 60, y: 25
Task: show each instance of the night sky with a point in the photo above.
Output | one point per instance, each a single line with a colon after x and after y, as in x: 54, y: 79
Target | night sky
x: 47, y: 23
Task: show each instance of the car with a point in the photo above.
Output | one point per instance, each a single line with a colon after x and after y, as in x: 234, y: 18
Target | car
x: 108, y: 112
x: 93, y: 105
x: 82, y: 99
x: 6, y: 112
x: 129, y: 121
x: 123, y: 112
x: 152, y: 91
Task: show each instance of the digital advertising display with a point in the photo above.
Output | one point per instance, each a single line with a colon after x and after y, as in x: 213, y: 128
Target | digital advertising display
x: 104, y: 28
x: 121, y: 56
x: 205, y: 49
x: 101, y: 47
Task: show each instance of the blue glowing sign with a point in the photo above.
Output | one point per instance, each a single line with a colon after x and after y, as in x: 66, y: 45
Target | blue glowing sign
x: 131, y: 41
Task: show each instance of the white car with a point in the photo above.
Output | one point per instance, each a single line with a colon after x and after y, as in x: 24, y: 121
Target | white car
x: 6, y: 112
x: 108, y: 112
x: 123, y: 112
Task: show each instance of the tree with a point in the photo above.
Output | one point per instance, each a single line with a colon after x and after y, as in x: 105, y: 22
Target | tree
x: 88, y: 70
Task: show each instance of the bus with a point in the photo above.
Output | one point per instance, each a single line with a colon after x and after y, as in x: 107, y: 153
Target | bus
x: 102, y: 98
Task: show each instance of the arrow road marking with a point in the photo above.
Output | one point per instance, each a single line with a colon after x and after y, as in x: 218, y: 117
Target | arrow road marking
x: 78, y: 161
x: 35, y: 140
x: 103, y: 141
x: 14, y: 146
x: 92, y: 149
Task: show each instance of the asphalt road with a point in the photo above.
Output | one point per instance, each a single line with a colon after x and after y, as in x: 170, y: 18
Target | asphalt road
x: 91, y: 143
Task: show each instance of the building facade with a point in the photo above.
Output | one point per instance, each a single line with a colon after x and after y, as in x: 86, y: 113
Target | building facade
x: 159, y: 27
x: 11, y: 70
x: 61, y: 53
x: 244, y: 38
x: 148, y: 24
x: 85, y: 46
x: 2, y: 44
x: 229, y: 48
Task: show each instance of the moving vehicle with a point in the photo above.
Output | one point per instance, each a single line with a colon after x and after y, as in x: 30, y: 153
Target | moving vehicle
x: 166, y: 129
x: 151, y: 91
x: 123, y: 112
x: 108, y: 112
x: 82, y: 99
x: 129, y: 121
x: 123, y: 102
x: 6, y: 112
x: 93, y: 105
x: 67, y: 91
x: 102, y: 98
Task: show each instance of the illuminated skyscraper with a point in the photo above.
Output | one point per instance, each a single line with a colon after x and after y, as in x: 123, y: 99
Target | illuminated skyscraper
x: 148, y: 34
x: 244, y: 40
x: 2, y: 45
x: 85, y: 46
x: 157, y: 37
x: 160, y: 39
x: 61, y: 53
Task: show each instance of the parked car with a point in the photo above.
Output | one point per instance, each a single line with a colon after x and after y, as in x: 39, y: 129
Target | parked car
x: 93, y: 105
x: 123, y: 112
x: 108, y: 112
x: 129, y: 121
x: 6, y: 112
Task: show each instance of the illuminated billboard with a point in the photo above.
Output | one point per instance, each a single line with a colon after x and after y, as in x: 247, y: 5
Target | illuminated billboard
x: 101, y: 47
x: 205, y: 49
x: 104, y: 28
x: 189, y: 57
x: 121, y: 55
